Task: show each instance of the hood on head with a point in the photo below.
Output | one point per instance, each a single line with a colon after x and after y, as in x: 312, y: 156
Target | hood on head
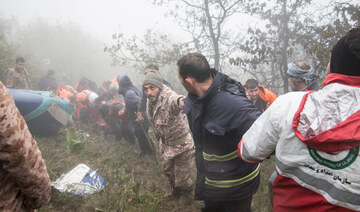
x: 124, y: 83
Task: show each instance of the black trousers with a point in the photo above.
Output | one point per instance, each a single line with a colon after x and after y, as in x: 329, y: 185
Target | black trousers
x: 139, y: 131
x: 243, y: 205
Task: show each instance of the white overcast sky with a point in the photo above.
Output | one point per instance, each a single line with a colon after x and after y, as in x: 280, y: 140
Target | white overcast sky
x: 101, y: 18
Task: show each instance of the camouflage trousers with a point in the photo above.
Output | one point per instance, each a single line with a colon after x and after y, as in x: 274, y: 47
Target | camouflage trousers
x: 178, y: 171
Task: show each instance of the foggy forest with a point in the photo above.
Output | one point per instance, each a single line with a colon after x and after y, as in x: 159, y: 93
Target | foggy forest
x: 273, y: 34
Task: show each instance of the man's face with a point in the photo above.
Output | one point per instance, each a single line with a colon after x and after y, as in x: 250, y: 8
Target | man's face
x: 253, y: 93
x: 152, y: 92
x: 186, y: 84
x: 20, y: 66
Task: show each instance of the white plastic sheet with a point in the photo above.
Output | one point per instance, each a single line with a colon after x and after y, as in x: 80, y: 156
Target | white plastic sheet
x: 80, y: 180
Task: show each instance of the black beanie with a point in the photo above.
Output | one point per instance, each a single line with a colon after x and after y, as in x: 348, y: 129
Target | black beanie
x: 345, y: 55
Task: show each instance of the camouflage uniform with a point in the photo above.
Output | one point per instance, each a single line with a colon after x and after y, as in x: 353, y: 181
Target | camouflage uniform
x: 176, y: 143
x: 15, y: 79
x: 24, y: 181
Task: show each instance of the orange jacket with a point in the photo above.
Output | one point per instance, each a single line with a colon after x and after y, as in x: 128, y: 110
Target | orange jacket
x: 266, y: 95
x: 63, y: 93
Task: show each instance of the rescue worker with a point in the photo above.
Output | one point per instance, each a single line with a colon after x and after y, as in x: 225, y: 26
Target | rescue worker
x: 302, y: 77
x: 117, y: 121
x: 25, y: 183
x: 164, y: 111
x: 109, y: 95
x: 316, y: 136
x: 132, y: 96
x: 219, y: 114
x: 17, y: 77
x: 88, y: 108
x: 142, y: 105
x: 259, y: 95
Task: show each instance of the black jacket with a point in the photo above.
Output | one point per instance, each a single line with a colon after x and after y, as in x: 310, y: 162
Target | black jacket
x: 46, y: 82
x: 314, y: 86
x: 218, y: 120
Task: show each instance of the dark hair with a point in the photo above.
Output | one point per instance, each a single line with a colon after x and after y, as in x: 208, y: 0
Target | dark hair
x: 345, y: 55
x: 152, y: 66
x: 251, y: 84
x: 19, y: 60
x: 104, y: 110
x: 194, y: 65
x: 51, y: 72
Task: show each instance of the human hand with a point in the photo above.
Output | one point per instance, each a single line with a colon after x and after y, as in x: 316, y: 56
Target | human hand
x: 182, y: 103
x: 121, y: 112
x: 139, y: 117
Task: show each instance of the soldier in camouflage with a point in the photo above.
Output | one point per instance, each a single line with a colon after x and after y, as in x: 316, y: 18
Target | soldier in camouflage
x: 24, y: 182
x: 163, y: 109
x: 18, y: 76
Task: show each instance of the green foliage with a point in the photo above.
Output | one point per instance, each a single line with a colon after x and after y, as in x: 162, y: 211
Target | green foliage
x: 75, y: 140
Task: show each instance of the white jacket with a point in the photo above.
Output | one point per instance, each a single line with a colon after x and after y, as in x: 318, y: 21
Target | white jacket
x: 316, y: 138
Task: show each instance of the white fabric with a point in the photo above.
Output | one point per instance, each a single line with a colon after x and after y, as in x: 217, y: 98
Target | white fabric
x: 91, y: 97
x: 323, y: 110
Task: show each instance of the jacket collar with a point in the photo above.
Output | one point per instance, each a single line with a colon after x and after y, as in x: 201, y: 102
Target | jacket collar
x: 195, y: 103
x: 342, y: 79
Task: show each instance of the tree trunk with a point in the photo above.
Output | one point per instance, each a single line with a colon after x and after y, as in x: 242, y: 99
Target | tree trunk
x: 284, y: 38
x: 214, y: 37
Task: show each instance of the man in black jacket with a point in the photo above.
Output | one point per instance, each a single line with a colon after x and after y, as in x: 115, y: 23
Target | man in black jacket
x: 219, y: 114
x: 132, y: 96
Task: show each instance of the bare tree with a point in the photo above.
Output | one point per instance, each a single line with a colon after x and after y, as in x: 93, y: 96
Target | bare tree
x: 205, y: 21
x: 152, y: 48
x: 331, y: 23
x: 294, y: 30
x: 7, y: 50
x: 268, y: 49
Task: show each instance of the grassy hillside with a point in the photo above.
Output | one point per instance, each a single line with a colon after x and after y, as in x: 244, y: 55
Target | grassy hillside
x: 134, y: 184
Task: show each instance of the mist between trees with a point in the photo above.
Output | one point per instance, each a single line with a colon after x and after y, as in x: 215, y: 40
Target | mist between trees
x: 277, y: 32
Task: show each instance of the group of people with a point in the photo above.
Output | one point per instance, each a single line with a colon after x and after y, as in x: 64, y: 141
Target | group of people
x: 230, y: 128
